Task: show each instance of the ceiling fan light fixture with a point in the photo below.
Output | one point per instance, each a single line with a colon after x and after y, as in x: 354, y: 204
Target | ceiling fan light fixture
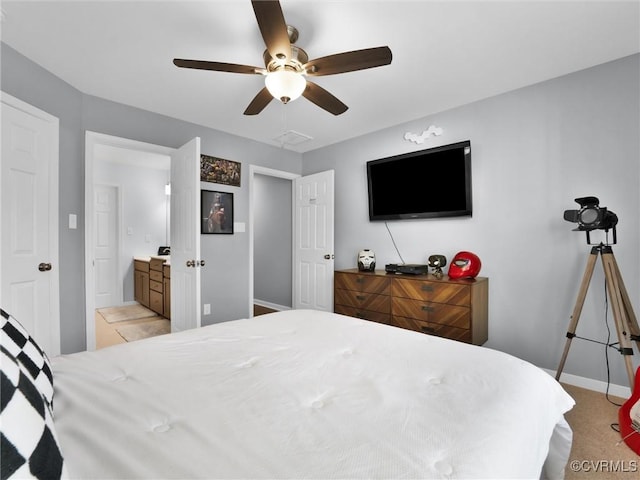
x: 285, y: 85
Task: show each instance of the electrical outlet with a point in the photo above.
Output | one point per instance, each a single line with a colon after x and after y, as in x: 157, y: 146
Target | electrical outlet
x: 207, y: 309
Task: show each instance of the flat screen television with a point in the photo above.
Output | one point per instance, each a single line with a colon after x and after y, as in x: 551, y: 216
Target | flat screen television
x: 425, y: 184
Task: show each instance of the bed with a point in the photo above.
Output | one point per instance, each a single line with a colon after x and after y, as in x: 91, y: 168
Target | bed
x: 306, y: 394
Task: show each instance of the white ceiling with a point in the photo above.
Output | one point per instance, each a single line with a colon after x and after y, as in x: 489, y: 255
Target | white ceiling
x: 445, y: 54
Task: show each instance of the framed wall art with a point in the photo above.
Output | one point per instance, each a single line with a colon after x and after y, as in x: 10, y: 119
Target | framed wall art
x: 219, y: 170
x: 217, y: 212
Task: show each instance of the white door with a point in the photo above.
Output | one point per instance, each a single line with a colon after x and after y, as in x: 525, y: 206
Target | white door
x: 185, y: 237
x: 106, y: 233
x: 313, y: 241
x: 29, y: 239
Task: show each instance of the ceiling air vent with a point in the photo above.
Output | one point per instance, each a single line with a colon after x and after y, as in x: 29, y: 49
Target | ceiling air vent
x: 292, y: 138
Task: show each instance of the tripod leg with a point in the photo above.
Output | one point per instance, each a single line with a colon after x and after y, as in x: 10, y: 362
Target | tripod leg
x: 634, y: 329
x: 619, y: 308
x: 577, y: 310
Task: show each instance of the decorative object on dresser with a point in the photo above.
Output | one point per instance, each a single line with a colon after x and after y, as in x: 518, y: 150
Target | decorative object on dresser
x: 437, y: 262
x: 366, y: 260
x: 455, y: 309
x: 465, y: 265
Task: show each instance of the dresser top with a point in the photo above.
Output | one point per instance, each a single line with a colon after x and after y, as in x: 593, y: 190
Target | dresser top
x: 430, y: 277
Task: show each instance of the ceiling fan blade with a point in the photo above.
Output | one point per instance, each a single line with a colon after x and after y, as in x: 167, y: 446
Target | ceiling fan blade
x: 349, y: 61
x: 216, y: 66
x: 258, y: 103
x: 318, y: 95
x: 273, y: 28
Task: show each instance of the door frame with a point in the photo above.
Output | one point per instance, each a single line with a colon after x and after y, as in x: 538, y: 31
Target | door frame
x: 270, y: 172
x: 54, y: 237
x: 93, y: 140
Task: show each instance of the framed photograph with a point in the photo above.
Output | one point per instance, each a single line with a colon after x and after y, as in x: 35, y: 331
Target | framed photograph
x: 217, y: 212
x: 219, y: 170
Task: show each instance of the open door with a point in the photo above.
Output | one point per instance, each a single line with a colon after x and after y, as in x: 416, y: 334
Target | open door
x: 185, y: 237
x: 29, y: 267
x: 314, y: 241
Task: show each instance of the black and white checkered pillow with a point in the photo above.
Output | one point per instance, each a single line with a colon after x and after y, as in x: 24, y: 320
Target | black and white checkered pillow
x: 15, y: 338
x: 28, y: 444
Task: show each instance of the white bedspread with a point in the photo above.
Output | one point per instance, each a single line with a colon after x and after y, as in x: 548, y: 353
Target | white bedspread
x: 303, y: 394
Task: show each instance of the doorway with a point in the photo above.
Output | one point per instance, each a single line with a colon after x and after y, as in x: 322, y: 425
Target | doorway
x: 106, y: 158
x: 267, y: 185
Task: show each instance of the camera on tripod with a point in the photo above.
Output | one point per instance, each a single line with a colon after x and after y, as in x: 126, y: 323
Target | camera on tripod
x: 591, y: 216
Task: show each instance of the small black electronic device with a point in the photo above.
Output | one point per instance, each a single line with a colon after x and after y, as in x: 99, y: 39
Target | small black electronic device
x: 408, y: 268
x: 164, y: 250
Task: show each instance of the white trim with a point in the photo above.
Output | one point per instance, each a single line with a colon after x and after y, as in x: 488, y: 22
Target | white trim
x: 272, y: 306
x: 54, y: 235
x: 590, y: 384
x: 93, y: 139
x: 253, y: 170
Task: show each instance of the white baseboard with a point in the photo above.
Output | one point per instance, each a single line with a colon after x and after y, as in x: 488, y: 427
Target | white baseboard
x: 273, y: 306
x: 590, y: 384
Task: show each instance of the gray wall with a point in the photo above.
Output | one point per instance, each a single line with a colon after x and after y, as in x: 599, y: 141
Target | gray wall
x: 533, y: 151
x: 225, y: 280
x: 273, y: 240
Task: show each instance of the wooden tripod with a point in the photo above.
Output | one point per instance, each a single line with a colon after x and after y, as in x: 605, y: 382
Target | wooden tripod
x: 625, y: 320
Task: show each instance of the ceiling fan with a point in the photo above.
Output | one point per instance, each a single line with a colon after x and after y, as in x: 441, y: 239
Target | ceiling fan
x: 287, y: 65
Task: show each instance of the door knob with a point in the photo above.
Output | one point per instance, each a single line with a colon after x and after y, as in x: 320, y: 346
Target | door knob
x: 201, y: 263
x: 191, y: 263
x: 44, y: 267
x: 328, y: 257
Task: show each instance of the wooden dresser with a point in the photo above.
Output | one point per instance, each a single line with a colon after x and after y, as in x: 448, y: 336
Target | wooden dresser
x: 455, y: 309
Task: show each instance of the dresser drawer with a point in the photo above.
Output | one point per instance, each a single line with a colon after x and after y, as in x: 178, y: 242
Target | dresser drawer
x: 431, y: 328
x: 155, y: 276
x: 451, y: 315
x: 440, y: 292
x: 379, y: 317
x: 155, y: 286
x: 156, y: 264
x: 363, y: 283
x: 367, y: 301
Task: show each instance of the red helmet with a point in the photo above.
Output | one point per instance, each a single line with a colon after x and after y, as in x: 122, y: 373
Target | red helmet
x: 464, y: 264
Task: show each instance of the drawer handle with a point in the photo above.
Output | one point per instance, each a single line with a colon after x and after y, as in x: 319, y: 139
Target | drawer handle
x: 426, y: 288
x: 427, y: 308
x: 361, y: 297
x: 427, y: 329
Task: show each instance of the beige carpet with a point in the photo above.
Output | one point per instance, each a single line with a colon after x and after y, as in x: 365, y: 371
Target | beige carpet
x: 127, y: 312
x: 596, y: 451
x: 139, y: 331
